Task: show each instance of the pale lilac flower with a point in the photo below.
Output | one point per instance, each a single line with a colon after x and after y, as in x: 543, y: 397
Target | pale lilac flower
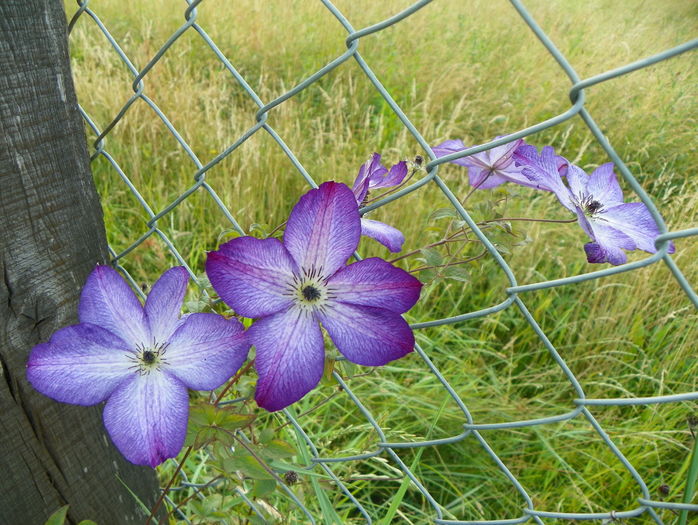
x: 373, y: 174
x: 139, y: 360
x: 597, y: 199
x: 293, y: 287
x: 493, y: 167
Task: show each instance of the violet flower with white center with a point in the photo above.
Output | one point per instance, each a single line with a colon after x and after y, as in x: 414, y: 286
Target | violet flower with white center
x: 373, y: 174
x: 597, y: 199
x: 493, y: 167
x: 293, y: 287
x: 140, y: 360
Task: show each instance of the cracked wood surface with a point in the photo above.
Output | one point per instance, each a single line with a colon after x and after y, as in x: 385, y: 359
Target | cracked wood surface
x: 51, y: 236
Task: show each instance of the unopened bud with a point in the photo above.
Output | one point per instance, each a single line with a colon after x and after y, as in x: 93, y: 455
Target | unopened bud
x: 291, y: 477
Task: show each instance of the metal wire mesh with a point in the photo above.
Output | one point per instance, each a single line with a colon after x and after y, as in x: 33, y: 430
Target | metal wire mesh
x: 512, y: 296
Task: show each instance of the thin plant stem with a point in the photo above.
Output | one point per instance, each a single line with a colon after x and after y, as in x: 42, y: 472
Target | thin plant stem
x: 167, y: 488
x: 690, y: 481
x: 464, y: 261
x: 528, y: 219
x: 393, y: 190
x: 450, y: 238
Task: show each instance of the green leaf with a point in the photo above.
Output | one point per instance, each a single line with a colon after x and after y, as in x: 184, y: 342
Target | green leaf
x: 457, y: 273
x: 266, y: 435
x: 208, y: 423
x: 442, y: 213
x: 87, y: 522
x: 248, y: 465
x: 263, y: 487
x: 432, y: 257
x: 58, y: 517
x: 278, y: 449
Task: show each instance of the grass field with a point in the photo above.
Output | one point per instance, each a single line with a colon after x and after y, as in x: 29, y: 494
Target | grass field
x: 470, y: 70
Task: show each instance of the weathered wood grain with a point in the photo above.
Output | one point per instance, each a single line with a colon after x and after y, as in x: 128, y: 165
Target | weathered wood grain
x: 51, y: 236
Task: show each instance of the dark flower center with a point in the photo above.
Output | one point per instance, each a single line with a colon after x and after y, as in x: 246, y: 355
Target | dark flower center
x: 310, y: 293
x: 149, y: 357
x: 594, y: 206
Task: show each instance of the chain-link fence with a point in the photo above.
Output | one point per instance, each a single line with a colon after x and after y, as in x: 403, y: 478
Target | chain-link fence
x: 512, y: 296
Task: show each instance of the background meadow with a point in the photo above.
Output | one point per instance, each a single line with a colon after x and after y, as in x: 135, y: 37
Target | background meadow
x: 458, y: 69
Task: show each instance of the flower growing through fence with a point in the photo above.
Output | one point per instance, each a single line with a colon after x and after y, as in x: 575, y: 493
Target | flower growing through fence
x: 597, y: 200
x: 373, y: 174
x: 493, y: 167
x: 293, y: 287
x: 141, y: 360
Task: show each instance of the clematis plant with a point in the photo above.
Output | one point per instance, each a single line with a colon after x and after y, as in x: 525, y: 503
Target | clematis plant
x: 373, y: 174
x: 140, y: 360
x: 597, y: 200
x: 293, y: 287
x: 491, y: 168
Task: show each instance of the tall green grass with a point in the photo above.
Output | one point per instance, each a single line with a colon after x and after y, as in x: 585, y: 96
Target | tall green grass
x: 469, y: 70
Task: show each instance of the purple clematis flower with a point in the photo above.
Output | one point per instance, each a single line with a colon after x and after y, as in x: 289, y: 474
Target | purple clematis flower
x: 597, y: 199
x: 373, y: 174
x: 295, y: 286
x: 493, y: 167
x: 140, y: 360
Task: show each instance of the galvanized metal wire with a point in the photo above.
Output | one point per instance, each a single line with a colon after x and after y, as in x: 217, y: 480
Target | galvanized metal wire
x: 512, y: 296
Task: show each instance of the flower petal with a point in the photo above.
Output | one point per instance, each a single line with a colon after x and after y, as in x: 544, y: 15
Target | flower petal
x: 323, y: 229
x: 206, y: 350
x: 578, y: 180
x: 375, y: 282
x: 448, y: 147
x: 365, y: 335
x: 603, y: 185
x: 82, y: 364
x: 390, y: 237
x: 164, y: 303
x: 611, y: 242
x: 252, y: 275
x: 146, y: 417
x: 635, y: 220
x: 484, y: 178
x: 544, y: 171
x: 109, y: 302
x: 367, y: 169
x: 389, y: 179
x: 290, y: 357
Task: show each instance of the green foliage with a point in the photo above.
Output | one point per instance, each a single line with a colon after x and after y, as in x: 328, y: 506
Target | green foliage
x: 473, y: 74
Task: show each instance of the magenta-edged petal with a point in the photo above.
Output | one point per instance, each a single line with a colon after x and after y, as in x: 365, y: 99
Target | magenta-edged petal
x: 603, y: 185
x: 635, y: 220
x: 252, y: 276
x: 290, y: 357
x: 146, y: 417
x: 82, y: 364
x: 365, y: 335
x: 394, y: 177
x: 448, y: 147
x: 323, y: 229
x: 206, y: 350
x: 109, y: 302
x: 375, y: 282
x: 390, y: 237
x: 164, y: 303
